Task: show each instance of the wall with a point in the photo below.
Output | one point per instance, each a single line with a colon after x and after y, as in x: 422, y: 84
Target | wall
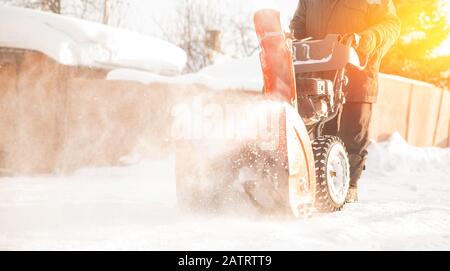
x: 8, y: 83
x: 30, y: 119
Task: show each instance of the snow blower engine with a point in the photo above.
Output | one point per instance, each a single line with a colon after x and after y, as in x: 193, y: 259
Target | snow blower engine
x: 306, y: 170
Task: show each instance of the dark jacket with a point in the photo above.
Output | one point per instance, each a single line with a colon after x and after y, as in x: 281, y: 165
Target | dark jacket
x: 317, y: 18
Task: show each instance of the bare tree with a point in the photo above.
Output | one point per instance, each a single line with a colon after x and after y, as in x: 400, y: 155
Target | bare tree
x: 33, y: 4
x: 106, y: 11
x: 93, y: 10
x: 242, y: 35
x: 51, y: 5
x: 207, y: 28
x: 96, y: 10
x: 195, y: 28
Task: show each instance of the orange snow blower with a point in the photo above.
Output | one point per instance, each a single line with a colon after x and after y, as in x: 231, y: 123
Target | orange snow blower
x: 300, y: 169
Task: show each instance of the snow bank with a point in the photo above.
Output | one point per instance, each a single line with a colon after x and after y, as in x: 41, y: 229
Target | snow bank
x: 76, y: 42
x: 234, y: 74
x: 211, y: 82
x: 396, y: 155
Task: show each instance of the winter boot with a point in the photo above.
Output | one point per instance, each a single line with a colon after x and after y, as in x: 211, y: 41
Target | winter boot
x: 352, y: 195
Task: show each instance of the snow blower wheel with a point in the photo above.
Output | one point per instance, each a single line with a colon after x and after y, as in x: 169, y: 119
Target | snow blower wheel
x: 332, y: 173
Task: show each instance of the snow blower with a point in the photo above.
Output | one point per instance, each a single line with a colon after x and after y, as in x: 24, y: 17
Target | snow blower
x: 303, y: 169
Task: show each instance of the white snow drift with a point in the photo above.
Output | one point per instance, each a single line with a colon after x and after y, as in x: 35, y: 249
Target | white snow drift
x: 405, y: 205
x: 76, y: 42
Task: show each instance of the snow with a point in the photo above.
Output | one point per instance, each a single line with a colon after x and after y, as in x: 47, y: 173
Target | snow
x: 398, y: 156
x: 76, y: 42
x: 237, y: 74
x: 404, y: 206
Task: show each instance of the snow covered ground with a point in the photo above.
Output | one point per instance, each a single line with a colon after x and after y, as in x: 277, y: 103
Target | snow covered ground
x: 405, y: 205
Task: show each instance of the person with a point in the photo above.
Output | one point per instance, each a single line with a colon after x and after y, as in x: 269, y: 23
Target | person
x: 377, y: 24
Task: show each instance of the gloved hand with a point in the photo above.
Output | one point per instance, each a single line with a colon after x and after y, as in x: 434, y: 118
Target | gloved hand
x: 289, y: 35
x: 351, y: 39
x: 368, y: 43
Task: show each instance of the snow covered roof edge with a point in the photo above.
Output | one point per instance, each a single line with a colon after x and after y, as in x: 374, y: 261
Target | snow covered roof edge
x: 76, y: 42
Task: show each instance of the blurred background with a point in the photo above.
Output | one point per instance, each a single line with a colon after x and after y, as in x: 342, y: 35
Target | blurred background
x: 224, y: 29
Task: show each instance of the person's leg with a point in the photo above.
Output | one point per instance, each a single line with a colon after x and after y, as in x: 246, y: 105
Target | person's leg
x: 354, y: 131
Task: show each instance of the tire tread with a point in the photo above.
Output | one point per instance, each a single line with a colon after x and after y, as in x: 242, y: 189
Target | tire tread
x: 321, y: 148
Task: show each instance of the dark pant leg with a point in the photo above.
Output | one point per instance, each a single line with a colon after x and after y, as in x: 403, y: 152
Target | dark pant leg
x: 352, y: 126
x: 332, y: 127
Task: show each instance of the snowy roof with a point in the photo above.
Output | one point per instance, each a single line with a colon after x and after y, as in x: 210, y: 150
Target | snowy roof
x: 235, y: 74
x: 77, y: 42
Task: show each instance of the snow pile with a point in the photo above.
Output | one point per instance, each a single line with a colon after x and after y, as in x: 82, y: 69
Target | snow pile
x: 76, y: 42
x: 237, y: 74
x: 396, y: 155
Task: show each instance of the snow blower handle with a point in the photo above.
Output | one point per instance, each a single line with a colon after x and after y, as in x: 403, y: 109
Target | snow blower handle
x: 353, y: 41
